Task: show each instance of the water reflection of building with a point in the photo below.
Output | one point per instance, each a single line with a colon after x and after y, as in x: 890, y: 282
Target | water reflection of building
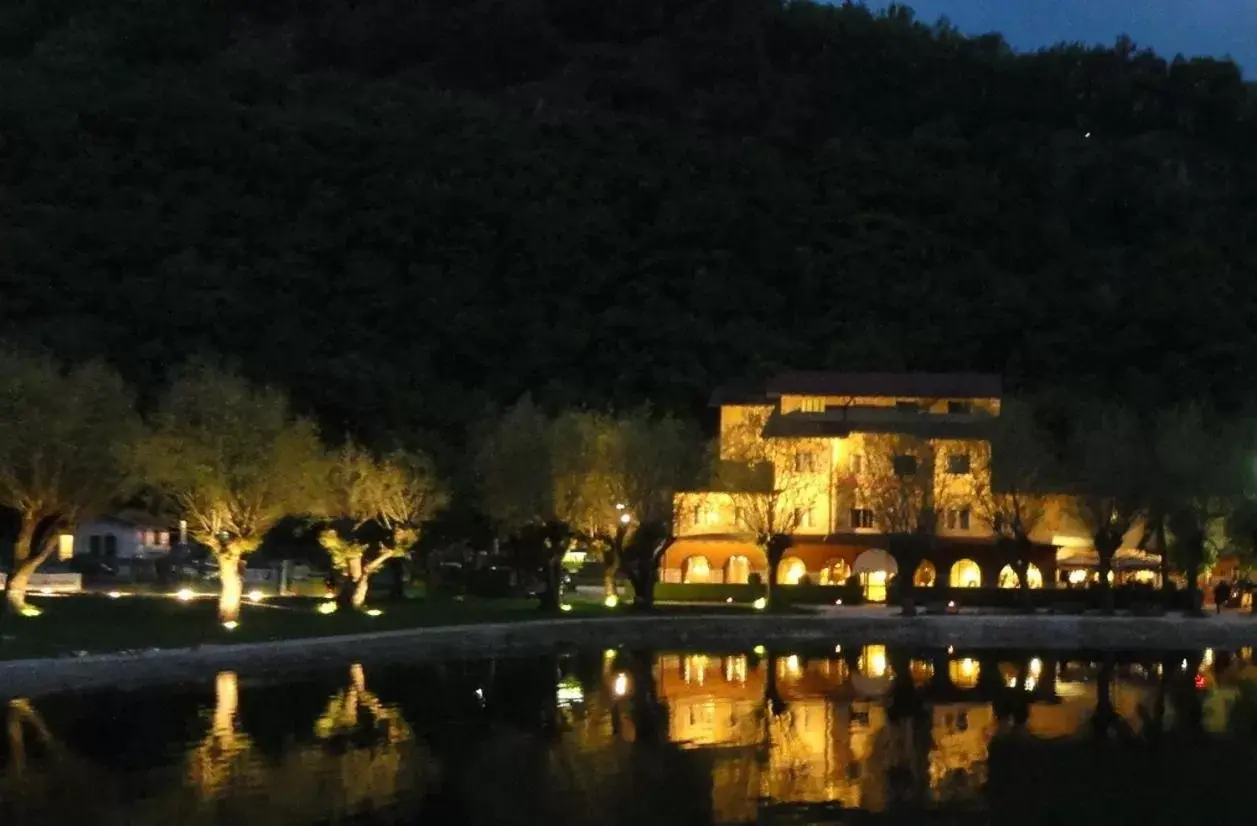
x: 836, y: 738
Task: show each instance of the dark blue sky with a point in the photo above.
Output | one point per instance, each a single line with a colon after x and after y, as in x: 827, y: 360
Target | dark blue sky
x: 1194, y: 27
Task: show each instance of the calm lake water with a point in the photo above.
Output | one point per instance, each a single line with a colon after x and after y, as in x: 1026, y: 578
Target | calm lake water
x: 866, y: 735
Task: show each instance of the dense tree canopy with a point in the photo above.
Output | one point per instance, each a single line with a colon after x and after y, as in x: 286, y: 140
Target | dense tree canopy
x: 401, y: 211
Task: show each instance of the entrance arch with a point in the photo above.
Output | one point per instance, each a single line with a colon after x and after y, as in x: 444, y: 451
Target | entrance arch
x: 791, y: 570
x: 1008, y: 577
x: 738, y: 570
x: 695, y: 569
x: 926, y: 575
x: 875, y: 567
x: 965, y: 574
x: 835, y: 572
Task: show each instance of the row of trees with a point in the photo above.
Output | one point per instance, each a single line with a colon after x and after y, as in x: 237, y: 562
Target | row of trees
x: 583, y: 477
x: 233, y: 460
x: 230, y: 458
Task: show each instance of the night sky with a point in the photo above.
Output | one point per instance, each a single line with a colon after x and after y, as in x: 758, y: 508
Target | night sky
x: 1194, y: 27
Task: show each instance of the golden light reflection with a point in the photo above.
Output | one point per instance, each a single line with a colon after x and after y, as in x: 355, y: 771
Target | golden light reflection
x: 695, y: 669
x: 735, y: 669
x: 873, y: 661
x: 964, y: 673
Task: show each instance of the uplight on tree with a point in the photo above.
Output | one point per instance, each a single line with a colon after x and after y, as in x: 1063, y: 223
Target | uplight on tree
x: 65, y: 441
x: 378, y: 505
x: 233, y: 459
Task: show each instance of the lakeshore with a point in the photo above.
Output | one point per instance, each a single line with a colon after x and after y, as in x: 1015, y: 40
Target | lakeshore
x: 658, y: 632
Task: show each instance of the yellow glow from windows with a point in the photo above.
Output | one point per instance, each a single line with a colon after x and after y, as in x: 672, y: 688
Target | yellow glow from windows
x: 620, y: 686
x: 791, y: 571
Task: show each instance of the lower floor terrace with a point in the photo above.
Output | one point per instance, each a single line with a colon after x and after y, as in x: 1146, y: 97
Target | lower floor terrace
x: 867, y: 561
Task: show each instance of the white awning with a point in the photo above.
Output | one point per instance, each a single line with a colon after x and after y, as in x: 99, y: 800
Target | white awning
x: 1126, y: 559
x: 875, y: 559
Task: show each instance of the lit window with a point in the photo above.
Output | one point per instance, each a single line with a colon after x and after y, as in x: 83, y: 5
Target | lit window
x: 812, y: 405
x: 807, y: 461
x: 804, y: 517
x: 958, y: 463
x: 958, y: 519
x: 861, y: 518
x: 857, y: 463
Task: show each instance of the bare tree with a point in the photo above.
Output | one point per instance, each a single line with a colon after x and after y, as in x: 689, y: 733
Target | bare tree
x: 771, y: 491
x: 900, y: 485
x: 234, y: 460
x: 65, y: 441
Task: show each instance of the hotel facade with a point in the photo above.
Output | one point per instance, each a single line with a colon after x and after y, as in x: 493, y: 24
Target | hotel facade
x: 840, y: 462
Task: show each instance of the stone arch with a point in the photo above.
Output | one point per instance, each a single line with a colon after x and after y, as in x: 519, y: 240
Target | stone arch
x: 791, y: 570
x: 875, y: 568
x: 1008, y: 577
x: 695, y: 569
x: 835, y: 572
x: 926, y: 575
x: 965, y: 573
x: 738, y: 569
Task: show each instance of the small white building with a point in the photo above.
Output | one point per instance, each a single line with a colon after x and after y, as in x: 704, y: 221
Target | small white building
x: 121, y: 536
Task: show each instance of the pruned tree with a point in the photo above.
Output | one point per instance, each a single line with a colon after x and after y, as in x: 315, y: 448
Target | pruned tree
x: 379, y: 506
x: 526, y: 476
x: 650, y: 457
x: 770, y: 491
x: 65, y: 441
x: 1111, y: 476
x: 1012, y: 474
x: 234, y: 460
x: 899, y: 485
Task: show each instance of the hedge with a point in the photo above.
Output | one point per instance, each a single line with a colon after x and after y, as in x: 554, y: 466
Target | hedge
x: 723, y: 592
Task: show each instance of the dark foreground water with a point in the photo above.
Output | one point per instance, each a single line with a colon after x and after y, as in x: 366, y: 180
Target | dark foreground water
x: 861, y: 736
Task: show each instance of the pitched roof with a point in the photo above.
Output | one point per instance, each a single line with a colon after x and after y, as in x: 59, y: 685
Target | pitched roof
x: 921, y: 385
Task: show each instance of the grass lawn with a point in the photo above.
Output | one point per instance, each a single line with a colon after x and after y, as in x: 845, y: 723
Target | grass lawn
x: 97, y: 624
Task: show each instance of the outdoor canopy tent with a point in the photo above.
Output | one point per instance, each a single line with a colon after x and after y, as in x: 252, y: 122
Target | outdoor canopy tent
x: 1126, y: 559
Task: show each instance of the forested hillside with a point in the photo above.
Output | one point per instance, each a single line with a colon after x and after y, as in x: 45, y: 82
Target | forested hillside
x: 404, y: 210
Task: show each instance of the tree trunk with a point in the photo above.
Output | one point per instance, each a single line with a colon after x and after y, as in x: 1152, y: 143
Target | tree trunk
x: 549, y: 595
x: 774, y: 550
x: 608, y: 577
x: 397, y: 586
x: 644, y: 588
x: 1106, y: 547
x: 347, y: 591
x: 231, y: 587
x: 907, y: 556
x: 25, y: 562
x: 359, y: 596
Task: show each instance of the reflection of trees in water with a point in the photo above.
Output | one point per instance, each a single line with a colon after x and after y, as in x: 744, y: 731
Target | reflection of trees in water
x: 363, y: 756
x: 577, y: 769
